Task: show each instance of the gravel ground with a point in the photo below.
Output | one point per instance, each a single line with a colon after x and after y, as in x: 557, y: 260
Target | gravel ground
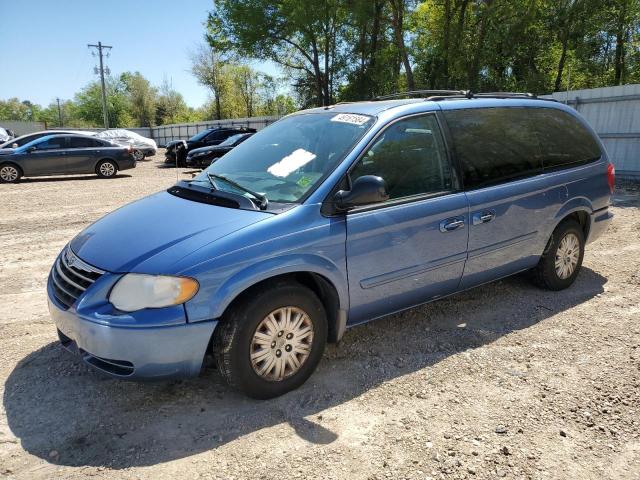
x: 502, y: 381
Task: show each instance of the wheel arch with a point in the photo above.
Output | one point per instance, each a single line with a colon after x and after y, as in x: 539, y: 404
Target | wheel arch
x: 325, y: 283
x: 579, y: 209
x: 7, y: 162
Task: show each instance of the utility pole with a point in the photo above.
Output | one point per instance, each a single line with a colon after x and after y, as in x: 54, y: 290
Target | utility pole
x: 100, y: 48
x: 59, y: 113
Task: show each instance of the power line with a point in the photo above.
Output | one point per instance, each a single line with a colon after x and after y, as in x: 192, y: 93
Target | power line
x: 100, y: 48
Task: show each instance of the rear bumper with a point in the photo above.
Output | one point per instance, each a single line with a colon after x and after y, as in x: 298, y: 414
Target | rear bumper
x: 134, y: 352
x: 600, y: 220
x: 126, y: 163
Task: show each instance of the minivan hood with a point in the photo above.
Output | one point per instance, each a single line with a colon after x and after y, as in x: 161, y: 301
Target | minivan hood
x: 151, y: 234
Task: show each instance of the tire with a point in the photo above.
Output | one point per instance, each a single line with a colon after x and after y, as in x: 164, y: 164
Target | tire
x: 138, y: 155
x: 10, y: 173
x: 106, y: 169
x: 258, y: 325
x: 560, y: 263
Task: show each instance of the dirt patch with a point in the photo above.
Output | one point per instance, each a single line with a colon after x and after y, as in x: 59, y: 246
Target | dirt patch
x: 502, y: 381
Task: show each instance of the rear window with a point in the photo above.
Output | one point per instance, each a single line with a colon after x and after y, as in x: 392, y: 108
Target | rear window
x: 564, y: 141
x: 494, y: 145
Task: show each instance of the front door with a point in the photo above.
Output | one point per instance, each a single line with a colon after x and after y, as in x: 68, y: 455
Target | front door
x: 411, y: 248
x: 47, y: 157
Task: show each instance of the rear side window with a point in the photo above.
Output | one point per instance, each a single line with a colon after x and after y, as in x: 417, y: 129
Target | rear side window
x: 494, y: 145
x: 564, y: 141
x: 81, y: 142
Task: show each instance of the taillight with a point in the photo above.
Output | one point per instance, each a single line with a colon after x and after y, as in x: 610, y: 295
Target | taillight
x: 611, y: 176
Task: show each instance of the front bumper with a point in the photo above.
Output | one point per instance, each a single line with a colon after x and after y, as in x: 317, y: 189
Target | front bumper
x: 132, y: 352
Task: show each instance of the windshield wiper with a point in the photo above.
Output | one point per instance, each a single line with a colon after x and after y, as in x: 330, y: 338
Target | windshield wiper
x: 262, y: 199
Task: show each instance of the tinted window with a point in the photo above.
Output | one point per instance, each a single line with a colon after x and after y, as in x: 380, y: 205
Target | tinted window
x: 563, y: 139
x: 410, y: 157
x: 218, y: 135
x: 81, y: 142
x: 50, y: 143
x: 494, y: 144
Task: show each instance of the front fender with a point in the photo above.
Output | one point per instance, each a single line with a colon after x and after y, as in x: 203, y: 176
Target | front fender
x: 269, y: 268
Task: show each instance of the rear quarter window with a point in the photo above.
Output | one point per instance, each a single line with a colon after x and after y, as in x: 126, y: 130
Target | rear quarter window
x: 564, y: 141
x: 494, y: 145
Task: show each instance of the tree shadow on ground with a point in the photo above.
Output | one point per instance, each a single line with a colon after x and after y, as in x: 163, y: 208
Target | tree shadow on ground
x: 54, y: 402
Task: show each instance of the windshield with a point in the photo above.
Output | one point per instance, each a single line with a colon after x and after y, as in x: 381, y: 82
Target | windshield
x: 291, y: 157
x: 200, y: 136
x: 231, y: 140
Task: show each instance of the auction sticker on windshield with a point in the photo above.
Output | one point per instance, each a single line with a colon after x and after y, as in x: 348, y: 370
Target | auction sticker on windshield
x: 350, y: 118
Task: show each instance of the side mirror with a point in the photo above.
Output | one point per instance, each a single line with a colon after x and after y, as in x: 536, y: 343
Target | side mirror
x: 31, y: 149
x: 365, y: 190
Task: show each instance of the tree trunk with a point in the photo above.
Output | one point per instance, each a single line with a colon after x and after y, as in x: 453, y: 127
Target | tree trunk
x: 317, y: 73
x: 397, y: 10
x: 621, y: 34
x: 446, y: 42
x: 475, y: 61
x: 563, y: 58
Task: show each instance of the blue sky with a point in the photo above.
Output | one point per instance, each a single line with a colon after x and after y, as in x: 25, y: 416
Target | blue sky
x: 44, y: 54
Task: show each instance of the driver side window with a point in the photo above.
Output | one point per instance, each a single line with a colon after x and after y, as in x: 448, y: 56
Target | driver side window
x: 51, y: 144
x: 410, y: 156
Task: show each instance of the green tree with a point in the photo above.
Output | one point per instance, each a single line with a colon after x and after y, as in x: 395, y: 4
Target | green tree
x: 89, y: 104
x: 142, y: 98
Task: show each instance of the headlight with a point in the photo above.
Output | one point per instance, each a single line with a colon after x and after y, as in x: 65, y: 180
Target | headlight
x: 200, y: 154
x: 135, y: 291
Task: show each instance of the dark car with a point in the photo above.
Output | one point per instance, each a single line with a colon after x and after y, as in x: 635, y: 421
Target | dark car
x: 206, y: 138
x: 203, y: 157
x: 30, y: 137
x: 64, y: 154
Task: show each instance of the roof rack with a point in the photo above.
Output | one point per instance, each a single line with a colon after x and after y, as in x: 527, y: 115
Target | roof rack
x: 437, y: 95
x: 423, y: 93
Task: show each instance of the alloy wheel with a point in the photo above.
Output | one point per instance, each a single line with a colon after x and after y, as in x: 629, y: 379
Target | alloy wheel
x: 9, y: 173
x: 107, y: 169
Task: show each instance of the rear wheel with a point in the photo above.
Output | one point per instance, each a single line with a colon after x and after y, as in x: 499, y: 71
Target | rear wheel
x: 272, y: 341
x: 9, y: 173
x: 138, y: 155
x: 106, y: 169
x: 560, y: 263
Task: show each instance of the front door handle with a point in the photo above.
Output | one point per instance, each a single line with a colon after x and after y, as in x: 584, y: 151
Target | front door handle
x: 451, y: 224
x: 483, y: 217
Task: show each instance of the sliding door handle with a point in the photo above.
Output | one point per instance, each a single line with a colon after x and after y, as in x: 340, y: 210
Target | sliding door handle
x: 483, y: 217
x: 451, y: 224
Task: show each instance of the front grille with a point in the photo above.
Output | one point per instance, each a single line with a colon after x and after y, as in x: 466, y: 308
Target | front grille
x: 71, y: 277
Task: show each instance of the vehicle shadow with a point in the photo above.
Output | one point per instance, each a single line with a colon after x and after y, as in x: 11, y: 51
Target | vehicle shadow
x: 70, y: 178
x: 67, y: 414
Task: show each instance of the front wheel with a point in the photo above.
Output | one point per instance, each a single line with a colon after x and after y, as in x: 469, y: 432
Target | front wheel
x: 272, y: 341
x: 106, y: 169
x: 9, y: 173
x: 560, y: 263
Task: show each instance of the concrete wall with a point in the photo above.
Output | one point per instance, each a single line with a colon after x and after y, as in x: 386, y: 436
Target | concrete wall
x: 22, y: 128
x: 614, y: 112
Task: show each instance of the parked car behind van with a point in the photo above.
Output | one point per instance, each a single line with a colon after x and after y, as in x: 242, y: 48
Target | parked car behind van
x: 142, y: 146
x: 176, y: 151
x: 202, y: 157
x: 329, y: 218
x: 64, y: 155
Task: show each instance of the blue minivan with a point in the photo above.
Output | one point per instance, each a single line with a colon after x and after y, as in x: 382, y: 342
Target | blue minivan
x: 326, y: 219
